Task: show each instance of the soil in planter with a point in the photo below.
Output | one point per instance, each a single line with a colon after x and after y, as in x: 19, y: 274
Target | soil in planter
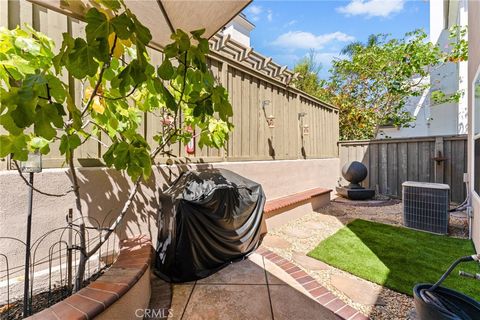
x: 42, y: 300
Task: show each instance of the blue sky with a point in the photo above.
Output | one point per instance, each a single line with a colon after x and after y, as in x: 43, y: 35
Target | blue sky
x: 286, y: 30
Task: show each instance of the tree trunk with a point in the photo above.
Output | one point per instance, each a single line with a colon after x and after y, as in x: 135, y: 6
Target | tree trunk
x: 83, y: 243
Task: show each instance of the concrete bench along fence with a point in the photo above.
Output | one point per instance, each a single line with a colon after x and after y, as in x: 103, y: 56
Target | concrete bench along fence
x: 281, y: 210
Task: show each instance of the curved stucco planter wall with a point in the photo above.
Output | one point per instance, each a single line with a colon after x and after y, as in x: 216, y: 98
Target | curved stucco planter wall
x: 119, y: 294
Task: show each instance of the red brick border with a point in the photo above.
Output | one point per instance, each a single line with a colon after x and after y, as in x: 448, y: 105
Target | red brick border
x: 133, y: 261
x: 321, y: 294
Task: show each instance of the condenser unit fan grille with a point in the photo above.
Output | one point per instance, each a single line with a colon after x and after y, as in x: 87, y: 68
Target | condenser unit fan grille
x: 426, y: 206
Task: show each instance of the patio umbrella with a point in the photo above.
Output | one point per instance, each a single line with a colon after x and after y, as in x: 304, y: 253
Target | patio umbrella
x: 163, y: 17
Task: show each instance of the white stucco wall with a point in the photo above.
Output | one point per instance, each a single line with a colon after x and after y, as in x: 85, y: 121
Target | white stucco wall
x: 238, y: 33
x: 447, y: 118
x: 239, y: 29
x: 473, y: 65
x: 419, y: 107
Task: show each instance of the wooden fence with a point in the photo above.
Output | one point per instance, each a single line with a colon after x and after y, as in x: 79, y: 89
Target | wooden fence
x: 390, y: 162
x: 248, y: 87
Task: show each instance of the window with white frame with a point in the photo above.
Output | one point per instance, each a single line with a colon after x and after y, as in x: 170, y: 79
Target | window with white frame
x: 476, y: 135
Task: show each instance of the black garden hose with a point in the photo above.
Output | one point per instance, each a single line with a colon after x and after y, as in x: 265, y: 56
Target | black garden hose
x: 445, y: 275
x: 442, y: 304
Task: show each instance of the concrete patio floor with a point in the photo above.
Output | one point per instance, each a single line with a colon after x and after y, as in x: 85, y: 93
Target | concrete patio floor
x: 255, y: 288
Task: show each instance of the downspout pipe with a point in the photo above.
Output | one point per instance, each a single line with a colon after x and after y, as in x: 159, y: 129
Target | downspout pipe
x: 466, y: 205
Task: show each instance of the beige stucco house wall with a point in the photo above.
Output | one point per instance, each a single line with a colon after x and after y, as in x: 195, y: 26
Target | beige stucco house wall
x: 473, y: 67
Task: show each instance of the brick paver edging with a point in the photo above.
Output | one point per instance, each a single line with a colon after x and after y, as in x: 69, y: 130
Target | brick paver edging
x: 321, y: 294
x: 134, y: 258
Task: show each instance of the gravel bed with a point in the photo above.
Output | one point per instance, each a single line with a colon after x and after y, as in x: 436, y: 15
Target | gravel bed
x: 328, y: 220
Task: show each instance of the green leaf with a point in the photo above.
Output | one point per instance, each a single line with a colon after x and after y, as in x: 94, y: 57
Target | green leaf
x: 16, y: 145
x: 57, y: 89
x: 203, y: 46
x: 68, y: 143
x: 182, y: 39
x: 123, y: 26
x: 198, y: 33
x: 166, y: 71
x: 67, y: 44
x: 142, y: 33
x: 98, y: 25
x: 137, y: 72
x: 101, y: 50
x: 40, y: 144
x: 170, y: 102
x: 74, y: 113
x: 24, y: 113
x: 45, y: 116
x: 80, y: 61
x: 5, y: 146
x: 7, y: 122
x: 170, y: 51
x: 111, y: 4
x: 123, y: 80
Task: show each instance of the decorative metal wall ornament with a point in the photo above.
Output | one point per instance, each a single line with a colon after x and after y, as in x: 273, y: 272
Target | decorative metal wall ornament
x: 305, y: 130
x: 271, y: 121
x: 271, y: 118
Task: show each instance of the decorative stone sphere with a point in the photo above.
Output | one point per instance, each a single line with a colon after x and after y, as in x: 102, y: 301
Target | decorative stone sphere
x: 354, y: 172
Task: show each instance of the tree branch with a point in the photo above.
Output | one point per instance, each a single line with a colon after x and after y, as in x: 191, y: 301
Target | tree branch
x: 126, y: 206
x: 100, y: 78
x: 37, y: 190
x: 90, y: 136
x: 119, y: 98
x: 134, y: 189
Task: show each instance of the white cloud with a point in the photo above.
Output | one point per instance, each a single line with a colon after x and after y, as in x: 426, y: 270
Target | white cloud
x: 306, y: 40
x: 372, y: 8
x: 256, y: 13
x: 290, y: 23
x: 270, y: 15
x: 255, y: 10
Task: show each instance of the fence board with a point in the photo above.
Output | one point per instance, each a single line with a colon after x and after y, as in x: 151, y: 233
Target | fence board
x: 402, y: 165
x: 394, y: 161
x: 373, y: 151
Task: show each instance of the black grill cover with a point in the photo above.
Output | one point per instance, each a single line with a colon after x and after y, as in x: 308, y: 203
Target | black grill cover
x: 208, y: 219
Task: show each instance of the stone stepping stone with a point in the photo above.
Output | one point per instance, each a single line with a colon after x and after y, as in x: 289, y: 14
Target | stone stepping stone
x: 272, y: 241
x: 359, y: 291
x: 299, y: 233
x: 309, y: 263
x: 312, y: 225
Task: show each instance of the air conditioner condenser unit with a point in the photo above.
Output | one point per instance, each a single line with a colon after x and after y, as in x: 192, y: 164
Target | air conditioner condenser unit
x: 426, y: 206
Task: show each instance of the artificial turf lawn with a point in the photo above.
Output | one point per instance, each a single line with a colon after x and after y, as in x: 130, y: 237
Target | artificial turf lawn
x: 397, y: 257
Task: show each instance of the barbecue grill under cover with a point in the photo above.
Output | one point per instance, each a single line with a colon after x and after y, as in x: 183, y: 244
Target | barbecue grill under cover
x: 208, y: 219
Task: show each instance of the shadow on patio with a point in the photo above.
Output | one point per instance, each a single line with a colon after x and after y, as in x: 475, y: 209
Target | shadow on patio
x: 255, y: 288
